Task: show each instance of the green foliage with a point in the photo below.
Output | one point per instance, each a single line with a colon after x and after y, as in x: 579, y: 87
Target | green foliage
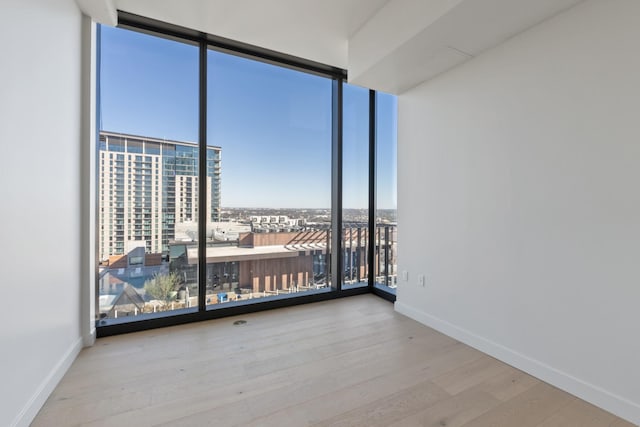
x: 162, y: 286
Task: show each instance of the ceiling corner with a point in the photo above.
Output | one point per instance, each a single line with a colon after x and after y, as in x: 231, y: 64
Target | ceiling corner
x: 101, y: 11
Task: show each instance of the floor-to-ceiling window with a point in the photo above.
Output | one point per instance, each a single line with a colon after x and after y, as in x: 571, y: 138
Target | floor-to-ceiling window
x: 355, y: 186
x: 147, y: 173
x: 272, y: 126
x: 386, y: 201
x: 229, y: 179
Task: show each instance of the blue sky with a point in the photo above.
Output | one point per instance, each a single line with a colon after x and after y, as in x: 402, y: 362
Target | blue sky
x: 273, y: 124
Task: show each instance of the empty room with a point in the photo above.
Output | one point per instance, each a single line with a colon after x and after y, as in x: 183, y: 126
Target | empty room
x: 336, y: 213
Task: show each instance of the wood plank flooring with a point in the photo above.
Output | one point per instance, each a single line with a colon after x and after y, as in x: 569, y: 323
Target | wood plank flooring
x: 347, y: 362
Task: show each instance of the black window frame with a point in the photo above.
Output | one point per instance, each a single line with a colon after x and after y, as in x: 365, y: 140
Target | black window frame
x: 206, y: 42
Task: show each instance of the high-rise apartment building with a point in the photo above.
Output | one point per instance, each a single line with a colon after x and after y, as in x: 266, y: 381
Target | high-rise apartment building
x: 147, y: 185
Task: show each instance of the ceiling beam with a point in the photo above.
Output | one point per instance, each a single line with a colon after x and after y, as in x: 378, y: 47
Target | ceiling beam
x: 410, y: 41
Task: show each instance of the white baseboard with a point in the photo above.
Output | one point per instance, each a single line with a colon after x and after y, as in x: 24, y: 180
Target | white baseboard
x: 604, y: 399
x: 31, y: 408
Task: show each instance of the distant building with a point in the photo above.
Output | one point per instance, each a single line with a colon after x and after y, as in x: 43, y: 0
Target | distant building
x: 145, y: 187
x: 275, y: 223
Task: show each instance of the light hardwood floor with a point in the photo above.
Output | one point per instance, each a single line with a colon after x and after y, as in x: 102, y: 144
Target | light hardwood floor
x: 348, y: 362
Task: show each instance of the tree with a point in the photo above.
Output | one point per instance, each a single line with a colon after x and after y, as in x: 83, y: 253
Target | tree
x: 162, y: 286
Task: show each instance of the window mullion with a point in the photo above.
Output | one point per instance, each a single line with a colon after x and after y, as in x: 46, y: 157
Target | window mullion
x: 372, y: 188
x: 336, y: 185
x: 202, y: 178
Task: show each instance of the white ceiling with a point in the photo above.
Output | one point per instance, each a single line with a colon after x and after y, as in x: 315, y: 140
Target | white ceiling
x: 389, y: 45
x: 395, y: 51
x: 315, y: 30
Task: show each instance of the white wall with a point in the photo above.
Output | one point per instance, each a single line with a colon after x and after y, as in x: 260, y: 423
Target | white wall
x: 519, y: 195
x: 40, y: 137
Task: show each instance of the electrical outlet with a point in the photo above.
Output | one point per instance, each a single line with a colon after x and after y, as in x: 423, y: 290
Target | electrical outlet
x: 405, y: 275
x: 421, y: 280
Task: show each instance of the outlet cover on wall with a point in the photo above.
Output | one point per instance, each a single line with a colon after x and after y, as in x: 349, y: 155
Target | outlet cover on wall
x: 421, y: 280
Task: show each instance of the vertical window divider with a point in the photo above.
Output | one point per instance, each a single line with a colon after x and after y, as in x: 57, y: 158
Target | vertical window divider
x: 337, y: 261
x: 96, y: 216
x: 372, y: 188
x: 202, y: 176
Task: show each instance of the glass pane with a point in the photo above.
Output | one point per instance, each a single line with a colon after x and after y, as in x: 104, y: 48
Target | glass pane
x: 355, y: 185
x: 269, y: 181
x: 148, y: 175
x: 386, y: 192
